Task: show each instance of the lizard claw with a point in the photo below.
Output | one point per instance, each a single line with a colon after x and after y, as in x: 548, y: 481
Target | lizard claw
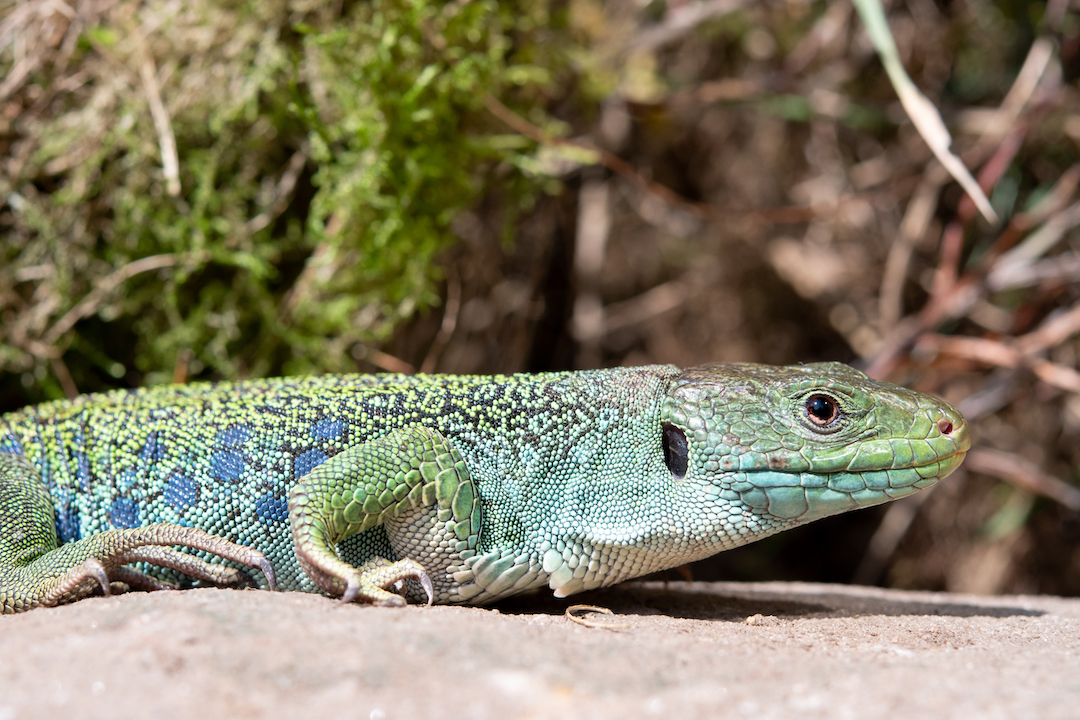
x: 369, y: 583
x: 429, y: 589
x: 352, y: 589
x: 425, y: 582
x: 268, y: 572
x: 93, y: 568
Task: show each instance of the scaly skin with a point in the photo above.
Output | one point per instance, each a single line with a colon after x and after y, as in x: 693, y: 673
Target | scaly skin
x: 458, y: 489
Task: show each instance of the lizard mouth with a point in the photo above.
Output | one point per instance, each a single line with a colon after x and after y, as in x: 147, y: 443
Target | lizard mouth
x: 859, y: 482
x: 943, y: 466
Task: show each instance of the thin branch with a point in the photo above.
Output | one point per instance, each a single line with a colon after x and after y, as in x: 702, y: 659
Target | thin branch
x: 1018, y: 352
x: 917, y: 218
x: 1053, y: 331
x: 382, y: 360
x: 1023, y: 87
x: 60, y: 369
x: 952, y: 239
x: 681, y: 20
x: 648, y: 305
x: 282, y: 190
x: 1035, y: 246
x: 1061, y: 270
x: 449, y: 323
x: 1022, y: 474
x: 103, y: 288
x: 982, y: 350
x: 607, y: 159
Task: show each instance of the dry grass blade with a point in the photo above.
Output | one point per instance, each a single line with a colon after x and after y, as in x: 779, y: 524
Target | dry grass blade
x: 922, y: 112
x: 166, y: 139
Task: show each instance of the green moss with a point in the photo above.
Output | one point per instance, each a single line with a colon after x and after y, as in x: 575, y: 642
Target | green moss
x: 320, y: 159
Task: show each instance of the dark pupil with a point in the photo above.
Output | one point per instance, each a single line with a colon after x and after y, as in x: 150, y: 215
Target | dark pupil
x: 822, y: 409
x: 676, y: 451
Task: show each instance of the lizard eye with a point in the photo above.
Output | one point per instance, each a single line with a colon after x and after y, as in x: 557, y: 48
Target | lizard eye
x: 676, y: 451
x: 822, y: 410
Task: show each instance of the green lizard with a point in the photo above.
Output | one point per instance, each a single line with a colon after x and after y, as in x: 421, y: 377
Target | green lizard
x: 457, y: 489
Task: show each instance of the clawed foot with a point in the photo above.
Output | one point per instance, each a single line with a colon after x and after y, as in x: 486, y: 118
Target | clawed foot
x: 112, y: 551
x: 369, y: 582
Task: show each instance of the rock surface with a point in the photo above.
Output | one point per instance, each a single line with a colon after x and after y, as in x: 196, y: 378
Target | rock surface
x: 758, y: 651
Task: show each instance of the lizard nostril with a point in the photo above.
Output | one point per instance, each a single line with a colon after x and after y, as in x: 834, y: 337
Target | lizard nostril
x: 945, y: 427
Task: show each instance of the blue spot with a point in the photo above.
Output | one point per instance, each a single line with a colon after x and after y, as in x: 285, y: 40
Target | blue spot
x: 328, y: 429
x: 152, y: 450
x: 10, y: 444
x: 181, y: 492
x: 227, y: 464
x: 67, y: 516
x: 271, y: 509
x: 124, y: 513
x: 308, y: 462
x: 236, y: 435
x: 82, y: 470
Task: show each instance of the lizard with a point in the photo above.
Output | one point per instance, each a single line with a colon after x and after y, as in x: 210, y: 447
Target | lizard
x: 388, y: 488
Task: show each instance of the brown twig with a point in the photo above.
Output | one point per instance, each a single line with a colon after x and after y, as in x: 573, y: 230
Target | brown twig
x: 914, y: 226
x: 1017, y: 259
x: 383, y: 360
x: 649, y: 304
x: 1052, y: 332
x: 1018, y: 352
x: 63, y: 375
x: 102, y: 288
x: 607, y: 159
x: 282, y: 190
x: 953, y: 238
x: 590, y: 248
x: 1054, y: 203
x: 449, y: 323
x: 680, y: 20
x: 1023, y: 474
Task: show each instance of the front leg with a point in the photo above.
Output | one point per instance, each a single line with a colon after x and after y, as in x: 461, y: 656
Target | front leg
x: 364, y: 486
x: 36, y: 571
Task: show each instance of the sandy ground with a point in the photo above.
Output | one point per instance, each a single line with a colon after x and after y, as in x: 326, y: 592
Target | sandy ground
x: 681, y: 651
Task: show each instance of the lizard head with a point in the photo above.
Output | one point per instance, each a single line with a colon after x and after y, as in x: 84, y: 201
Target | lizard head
x: 793, y: 444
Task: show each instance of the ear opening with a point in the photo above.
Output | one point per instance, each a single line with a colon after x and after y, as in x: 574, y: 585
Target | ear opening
x: 676, y: 451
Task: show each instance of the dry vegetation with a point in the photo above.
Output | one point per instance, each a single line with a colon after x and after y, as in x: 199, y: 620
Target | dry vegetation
x: 736, y: 181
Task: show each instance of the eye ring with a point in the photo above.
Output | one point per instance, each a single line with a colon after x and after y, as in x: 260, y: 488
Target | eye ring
x: 822, y: 410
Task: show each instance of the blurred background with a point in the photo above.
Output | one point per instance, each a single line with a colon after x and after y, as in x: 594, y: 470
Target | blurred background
x: 209, y: 190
